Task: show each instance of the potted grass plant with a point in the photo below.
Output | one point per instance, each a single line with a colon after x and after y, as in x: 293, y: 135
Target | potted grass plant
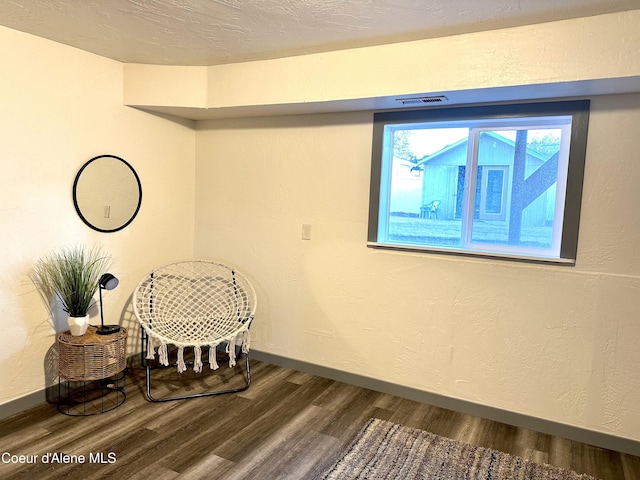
x: 72, y: 275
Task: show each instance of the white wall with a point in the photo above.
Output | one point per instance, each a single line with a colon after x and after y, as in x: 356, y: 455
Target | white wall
x: 559, y: 343
x: 61, y: 107
x: 580, y: 56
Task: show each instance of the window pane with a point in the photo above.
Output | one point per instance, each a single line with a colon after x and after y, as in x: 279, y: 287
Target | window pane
x: 517, y: 175
x: 424, y: 193
x: 537, y: 231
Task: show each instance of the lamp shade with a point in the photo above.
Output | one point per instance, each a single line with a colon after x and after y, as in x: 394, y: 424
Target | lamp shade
x: 108, y: 281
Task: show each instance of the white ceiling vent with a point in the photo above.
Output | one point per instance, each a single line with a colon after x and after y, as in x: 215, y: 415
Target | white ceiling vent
x: 422, y: 100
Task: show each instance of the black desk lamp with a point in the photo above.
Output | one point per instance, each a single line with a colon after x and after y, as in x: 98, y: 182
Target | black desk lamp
x: 106, y: 282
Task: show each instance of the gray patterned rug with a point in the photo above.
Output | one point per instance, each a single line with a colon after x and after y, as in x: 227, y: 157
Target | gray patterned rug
x: 385, y: 450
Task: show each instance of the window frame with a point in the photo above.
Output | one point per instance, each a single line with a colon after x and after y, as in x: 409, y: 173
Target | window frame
x: 578, y: 110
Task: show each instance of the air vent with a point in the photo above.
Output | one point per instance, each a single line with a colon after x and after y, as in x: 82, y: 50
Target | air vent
x: 422, y: 100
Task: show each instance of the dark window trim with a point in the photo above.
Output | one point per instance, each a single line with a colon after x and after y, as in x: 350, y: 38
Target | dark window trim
x: 578, y: 109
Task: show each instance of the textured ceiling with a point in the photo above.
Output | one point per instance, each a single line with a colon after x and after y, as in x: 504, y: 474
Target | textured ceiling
x: 208, y: 32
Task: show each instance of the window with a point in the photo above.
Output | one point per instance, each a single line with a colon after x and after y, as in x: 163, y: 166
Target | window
x: 502, y: 180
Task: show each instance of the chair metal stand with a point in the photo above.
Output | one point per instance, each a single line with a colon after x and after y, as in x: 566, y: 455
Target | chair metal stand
x: 148, y: 367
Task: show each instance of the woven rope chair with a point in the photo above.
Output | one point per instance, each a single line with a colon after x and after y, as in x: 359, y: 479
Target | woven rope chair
x: 198, y: 305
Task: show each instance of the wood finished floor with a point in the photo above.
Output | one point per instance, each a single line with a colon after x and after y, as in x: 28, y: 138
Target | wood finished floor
x: 288, y: 425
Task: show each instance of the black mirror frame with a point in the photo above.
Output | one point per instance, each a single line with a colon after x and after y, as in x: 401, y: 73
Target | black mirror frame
x: 75, y: 197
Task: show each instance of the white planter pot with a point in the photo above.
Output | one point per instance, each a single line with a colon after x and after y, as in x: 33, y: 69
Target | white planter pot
x: 78, y: 325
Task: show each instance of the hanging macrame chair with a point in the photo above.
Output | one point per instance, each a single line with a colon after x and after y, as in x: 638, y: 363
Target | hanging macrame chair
x: 195, y: 305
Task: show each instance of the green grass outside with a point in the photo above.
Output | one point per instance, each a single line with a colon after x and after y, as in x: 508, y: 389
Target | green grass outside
x: 426, y: 231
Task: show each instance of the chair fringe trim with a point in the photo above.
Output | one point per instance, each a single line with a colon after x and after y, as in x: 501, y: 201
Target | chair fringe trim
x: 181, y: 365
x: 231, y: 351
x: 243, y: 337
x: 213, y: 362
x: 245, y: 341
x: 162, y: 354
x: 150, y: 348
x: 197, y: 361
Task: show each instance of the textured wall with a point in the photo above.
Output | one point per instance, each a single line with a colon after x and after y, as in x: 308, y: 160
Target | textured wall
x: 554, y: 342
x: 61, y: 107
x: 584, y: 56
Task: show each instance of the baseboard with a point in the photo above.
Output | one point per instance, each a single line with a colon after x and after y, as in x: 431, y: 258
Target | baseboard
x: 590, y: 437
x: 583, y: 435
x: 46, y: 395
x: 23, y: 403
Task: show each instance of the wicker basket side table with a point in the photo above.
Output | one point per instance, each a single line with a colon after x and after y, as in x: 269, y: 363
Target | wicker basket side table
x: 92, y: 368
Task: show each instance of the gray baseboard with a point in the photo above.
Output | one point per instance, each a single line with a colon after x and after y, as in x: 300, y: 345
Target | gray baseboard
x: 23, y: 403
x: 46, y: 395
x: 590, y: 437
x: 583, y: 435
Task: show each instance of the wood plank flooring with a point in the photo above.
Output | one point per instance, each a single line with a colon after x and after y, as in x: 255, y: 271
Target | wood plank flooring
x: 288, y: 425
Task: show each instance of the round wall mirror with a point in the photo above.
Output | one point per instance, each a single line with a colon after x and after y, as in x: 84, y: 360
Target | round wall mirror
x: 107, y: 193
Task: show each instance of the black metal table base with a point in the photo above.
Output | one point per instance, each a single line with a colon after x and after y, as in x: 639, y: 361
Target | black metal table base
x: 91, y: 397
